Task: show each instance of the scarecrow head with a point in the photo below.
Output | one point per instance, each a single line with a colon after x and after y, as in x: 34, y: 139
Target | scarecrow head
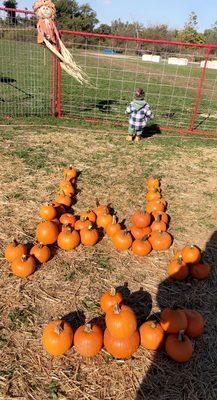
x: 44, y: 9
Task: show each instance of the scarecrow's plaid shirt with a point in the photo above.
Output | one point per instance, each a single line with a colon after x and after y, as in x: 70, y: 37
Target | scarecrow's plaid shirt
x: 139, y: 115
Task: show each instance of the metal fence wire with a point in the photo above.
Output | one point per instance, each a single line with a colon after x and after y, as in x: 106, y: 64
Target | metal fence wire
x: 179, y: 79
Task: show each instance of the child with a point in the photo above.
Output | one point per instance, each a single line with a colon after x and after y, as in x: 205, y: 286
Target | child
x: 140, y: 112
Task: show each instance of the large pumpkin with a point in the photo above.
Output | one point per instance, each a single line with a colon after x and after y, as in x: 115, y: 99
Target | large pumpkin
x: 122, y: 240
x: 121, y: 321
x: 173, y: 321
x: 121, y: 348
x: 23, y: 266
x: 160, y: 240
x: 57, y: 337
x: 88, y: 340
x: 191, y: 254
x: 47, y: 232
x: 179, y: 347
x: 141, y: 219
x: 152, y: 335
x: 14, y: 250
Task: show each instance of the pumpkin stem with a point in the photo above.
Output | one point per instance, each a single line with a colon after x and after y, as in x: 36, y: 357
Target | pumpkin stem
x: 97, y: 202
x: 158, y: 217
x: 145, y: 237
x: 59, y: 328
x: 117, y: 309
x: 179, y: 260
x: 114, y: 220
x: 15, y: 242
x: 181, y: 336
x: 40, y: 245
x: 153, y: 324
x: 24, y: 257
x: 112, y: 291
x: 87, y: 328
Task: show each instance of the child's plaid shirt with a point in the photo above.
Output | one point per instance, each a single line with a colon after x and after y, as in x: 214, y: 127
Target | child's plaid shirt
x: 140, y: 112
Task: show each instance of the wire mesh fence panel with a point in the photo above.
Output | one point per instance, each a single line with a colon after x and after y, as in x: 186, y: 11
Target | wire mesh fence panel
x: 25, y: 67
x: 169, y: 73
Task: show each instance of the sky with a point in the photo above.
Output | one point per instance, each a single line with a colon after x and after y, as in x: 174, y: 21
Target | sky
x: 171, y: 12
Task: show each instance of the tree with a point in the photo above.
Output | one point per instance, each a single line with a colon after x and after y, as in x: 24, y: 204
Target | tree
x: 189, y: 33
x: 104, y: 29
x: 11, y: 14
x: 72, y: 16
x: 211, y: 34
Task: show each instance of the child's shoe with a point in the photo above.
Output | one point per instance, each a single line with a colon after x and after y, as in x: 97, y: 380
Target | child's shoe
x: 129, y: 138
x: 138, y: 138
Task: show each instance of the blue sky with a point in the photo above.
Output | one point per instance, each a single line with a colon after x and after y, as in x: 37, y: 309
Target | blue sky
x: 171, y: 12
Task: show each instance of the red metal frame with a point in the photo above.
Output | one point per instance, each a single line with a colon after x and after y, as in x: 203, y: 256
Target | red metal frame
x: 17, y: 10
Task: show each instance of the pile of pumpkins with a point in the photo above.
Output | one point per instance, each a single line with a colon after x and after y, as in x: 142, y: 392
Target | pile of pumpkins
x: 187, y: 261
x: 174, y: 329
x: 59, y: 225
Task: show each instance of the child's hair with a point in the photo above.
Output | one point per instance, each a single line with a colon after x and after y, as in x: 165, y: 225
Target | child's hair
x: 139, y: 94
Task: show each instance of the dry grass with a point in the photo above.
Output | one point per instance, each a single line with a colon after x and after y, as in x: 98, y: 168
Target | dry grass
x: 71, y: 283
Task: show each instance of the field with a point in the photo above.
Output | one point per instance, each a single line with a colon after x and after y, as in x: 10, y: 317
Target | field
x: 70, y: 284
x: 26, y: 75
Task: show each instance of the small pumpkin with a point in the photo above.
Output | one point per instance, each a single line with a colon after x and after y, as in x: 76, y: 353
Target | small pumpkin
x: 163, y: 215
x: 173, y: 321
x: 141, y: 247
x: 47, y: 232
x: 122, y: 240
x: 160, y: 240
x: 177, y: 255
x: 14, y: 250
x: 121, y: 321
x: 121, y: 348
x: 158, y: 225
x: 23, y: 266
x: 47, y: 212
x: 81, y: 224
x: 195, y: 323
x: 109, y: 299
x: 88, y: 340
x: 141, y: 219
x: 139, y: 233
x: 179, y: 347
x: 67, y: 188
x: 155, y: 205
x: 191, y: 254
x: 153, y: 194
x: 57, y: 337
x: 200, y: 270
x: 103, y: 220
x: 63, y: 199
x: 68, y: 219
x: 177, y: 269
x: 100, y: 209
x: 152, y: 335
x: 89, y: 236
x: 41, y: 253
x: 153, y: 183
x: 88, y: 215
x: 70, y: 173
x: 112, y: 227
x: 68, y: 239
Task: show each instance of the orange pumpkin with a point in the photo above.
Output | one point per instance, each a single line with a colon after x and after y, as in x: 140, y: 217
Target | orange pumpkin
x: 47, y: 232
x: 63, y: 199
x: 70, y: 173
x: 121, y: 348
x: 23, y: 266
x: 109, y: 299
x: 155, y: 205
x: 68, y: 219
x: 158, y: 226
x: 88, y: 215
x: 68, y: 239
x: 191, y: 254
x: 163, y: 216
x: 89, y: 236
x: 153, y: 183
x: 152, y: 335
x: 122, y: 240
x: 81, y: 224
x: 141, y: 247
x: 179, y: 347
x: 41, y: 253
x: 160, y: 240
x: 14, y: 250
x: 121, y: 321
x: 67, y: 188
x: 195, y: 323
x: 88, y: 340
x: 153, y: 194
x: 177, y: 255
x: 141, y: 219
x: 47, y: 212
x: 100, y: 209
x: 112, y: 227
x: 200, y: 271
x: 139, y: 233
x: 57, y: 337
x: 177, y: 269
x: 103, y: 220
x: 173, y: 321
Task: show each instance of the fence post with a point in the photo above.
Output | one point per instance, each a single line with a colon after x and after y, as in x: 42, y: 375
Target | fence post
x: 59, y: 90
x: 199, y: 90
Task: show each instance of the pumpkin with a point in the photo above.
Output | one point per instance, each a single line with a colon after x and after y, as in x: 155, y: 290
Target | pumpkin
x: 141, y: 247
x: 109, y: 299
x: 160, y: 240
x: 70, y: 173
x: 47, y: 232
x: 47, y: 212
x: 67, y: 188
x: 68, y: 239
x: 153, y: 194
x: 139, y: 233
x: 41, y: 253
x: 153, y: 183
x: 112, y: 227
x: 57, y: 337
x: 173, y: 321
x: 155, y: 205
x: 179, y: 347
x: 141, y: 219
x: 68, y: 219
x: 121, y: 321
x: 88, y: 340
x: 177, y: 255
x: 122, y: 240
x: 89, y: 236
x: 100, y: 209
x: 152, y: 335
x: 63, y: 199
x: 81, y: 224
x: 121, y: 348
x: 177, y: 269
x: 159, y: 226
x: 23, y: 266
x: 89, y: 215
x: 14, y: 250
x: 195, y: 323
x: 103, y: 220
x: 164, y: 216
x: 200, y: 271
x: 191, y: 254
